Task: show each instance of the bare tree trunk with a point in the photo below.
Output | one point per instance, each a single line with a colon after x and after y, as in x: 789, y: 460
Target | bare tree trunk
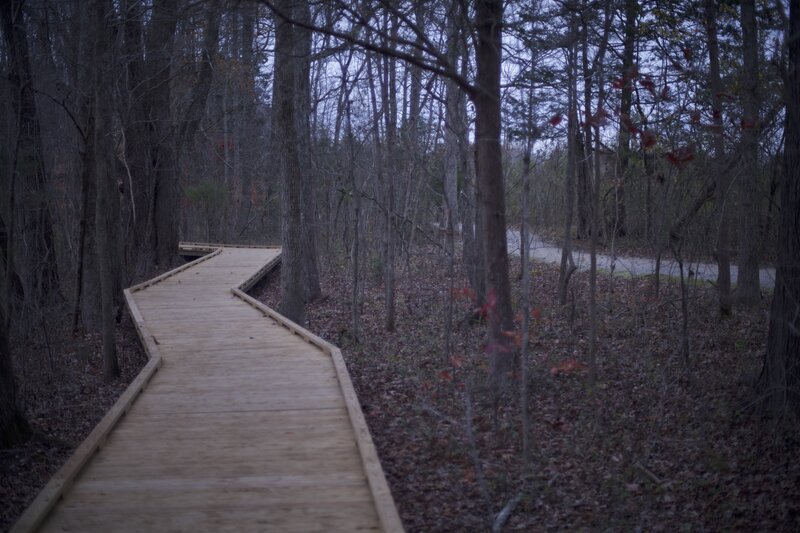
x: 107, y: 199
x: 355, y: 307
x: 453, y: 126
x: 631, y: 15
x: 197, y: 104
x: 596, y: 72
x: 284, y: 101
x: 779, y: 383
x: 309, y: 202
x: 165, y: 210
x: 389, y: 101
x: 526, y: 279
x: 583, y: 185
x: 135, y: 128
x: 88, y: 288
x: 722, y: 178
x: 489, y: 163
x: 473, y: 254
x: 35, y: 265
x: 13, y: 425
x: 87, y: 311
x: 567, y: 263
x: 748, y: 286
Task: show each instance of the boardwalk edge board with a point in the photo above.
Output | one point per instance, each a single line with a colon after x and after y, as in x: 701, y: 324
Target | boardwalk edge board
x: 384, y: 502
x: 40, y: 508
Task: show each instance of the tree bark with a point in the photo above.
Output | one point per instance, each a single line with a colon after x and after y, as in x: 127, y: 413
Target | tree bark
x: 722, y: 178
x: 489, y: 163
x: 779, y: 383
x: 13, y: 425
x: 309, y: 202
x: 107, y: 198
x: 389, y: 101
x: 135, y: 127
x: 583, y: 185
x: 567, y: 267
x: 473, y: 254
x: 453, y: 126
x: 631, y: 15
x: 36, y: 263
x: 165, y: 205
x: 88, y: 297
x: 748, y: 286
x: 286, y: 136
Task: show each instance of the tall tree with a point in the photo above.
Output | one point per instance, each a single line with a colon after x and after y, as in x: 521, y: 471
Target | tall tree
x: 780, y: 376
x: 35, y: 264
x: 723, y: 180
x: 135, y: 131
x: 624, y: 138
x: 568, y: 267
x: 303, y: 112
x: 284, y: 102
x: 165, y: 211
x: 748, y: 284
x: 13, y: 425
x: 489, y: 165
x: 106, y: 198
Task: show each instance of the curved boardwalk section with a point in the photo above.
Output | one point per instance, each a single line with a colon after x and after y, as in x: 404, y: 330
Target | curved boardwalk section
x: 242, y: 421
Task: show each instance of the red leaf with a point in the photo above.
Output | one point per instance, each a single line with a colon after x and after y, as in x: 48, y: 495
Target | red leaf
x: 687, y: 53
x: 463, y: 292
x: 648, y: 84
x: 445, y: 375
x: 649, y: 138
x: 555, y: 120
x: 536, y: 313
x: 515, y: 337
x: 748, y: 124
x: 695, y: 117
x: 570, y: 366
x: 600, y: 118
x: 618, y: 83
x: 680, y: 156
x: 627, y: 123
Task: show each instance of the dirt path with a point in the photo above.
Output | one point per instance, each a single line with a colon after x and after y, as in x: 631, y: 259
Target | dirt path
x: 634, y: 266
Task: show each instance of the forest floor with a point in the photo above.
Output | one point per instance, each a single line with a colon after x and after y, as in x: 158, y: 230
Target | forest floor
x: 657, y: 445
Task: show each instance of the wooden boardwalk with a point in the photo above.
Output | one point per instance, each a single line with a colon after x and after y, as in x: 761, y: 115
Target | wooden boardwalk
x: 241, y: 421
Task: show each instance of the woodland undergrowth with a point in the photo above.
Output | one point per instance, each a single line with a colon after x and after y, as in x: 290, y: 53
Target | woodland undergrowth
x: 656, y: 446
